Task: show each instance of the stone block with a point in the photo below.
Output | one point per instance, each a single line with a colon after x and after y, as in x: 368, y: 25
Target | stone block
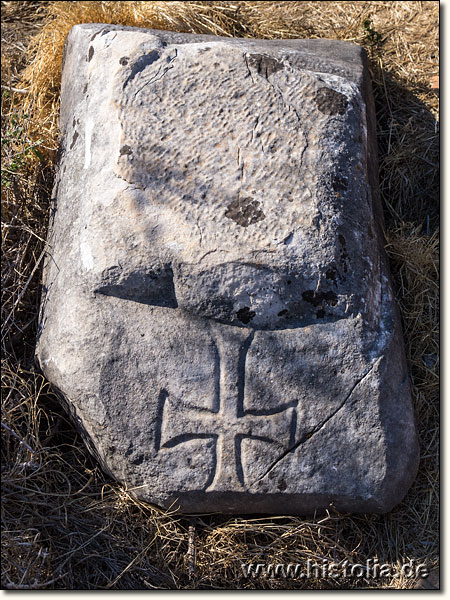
x: 217, y: 310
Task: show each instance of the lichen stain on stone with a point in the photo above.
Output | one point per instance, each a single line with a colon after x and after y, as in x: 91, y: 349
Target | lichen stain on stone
x: 90, y: 53
x: 74, y: 139
x: 265, y: 65
x: 101, y: 32
x: 125, y: 150
x: 140, y: 64
x: 330, y: 102
x: 245, y: 211
x: 245, y: 315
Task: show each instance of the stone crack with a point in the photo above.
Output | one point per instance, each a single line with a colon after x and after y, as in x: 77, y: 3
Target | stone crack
x: 308, y: 436
x: 156, y: 78
x: 248, y: 68
x: 200, y: 232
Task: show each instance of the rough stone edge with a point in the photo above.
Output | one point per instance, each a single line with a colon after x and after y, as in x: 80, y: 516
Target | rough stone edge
x: 397, y: 347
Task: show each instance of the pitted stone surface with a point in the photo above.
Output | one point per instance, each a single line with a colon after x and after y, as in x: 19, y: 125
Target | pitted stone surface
x: 217, y: 310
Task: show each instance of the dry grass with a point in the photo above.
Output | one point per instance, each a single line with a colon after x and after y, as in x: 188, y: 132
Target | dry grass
x: 65, y: 525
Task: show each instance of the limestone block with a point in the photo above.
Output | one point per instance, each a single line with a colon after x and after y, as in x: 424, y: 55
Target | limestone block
x: 217, y: 310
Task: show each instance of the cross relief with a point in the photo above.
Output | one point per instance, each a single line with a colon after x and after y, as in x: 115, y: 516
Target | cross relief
x: 228, y: 423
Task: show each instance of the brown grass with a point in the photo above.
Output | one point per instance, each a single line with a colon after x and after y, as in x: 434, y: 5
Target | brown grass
x: 65, y: 524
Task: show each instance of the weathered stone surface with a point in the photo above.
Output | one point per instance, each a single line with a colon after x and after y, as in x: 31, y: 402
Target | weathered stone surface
x: 217, y: 308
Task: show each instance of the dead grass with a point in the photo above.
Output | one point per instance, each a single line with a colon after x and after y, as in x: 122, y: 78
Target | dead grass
x: 65, y: 525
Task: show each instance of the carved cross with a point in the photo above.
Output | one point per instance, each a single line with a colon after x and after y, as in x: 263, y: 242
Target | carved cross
x: 228, y: 423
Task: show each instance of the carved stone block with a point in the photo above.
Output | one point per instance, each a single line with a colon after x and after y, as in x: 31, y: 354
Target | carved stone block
x: 217, y: 310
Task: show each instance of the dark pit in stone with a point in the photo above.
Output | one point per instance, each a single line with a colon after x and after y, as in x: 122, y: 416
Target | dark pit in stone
x: 316, y: 298
x: 245, y: 315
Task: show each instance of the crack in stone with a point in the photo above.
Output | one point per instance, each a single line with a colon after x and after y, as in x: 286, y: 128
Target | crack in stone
x: 254, y: 127
x: 240, y: 163
x: 207, y: 254
x: 307, y: 436
x: 140, y: 64
x: 283, y: 101
x: 200, y: 232
x: 280, y: 94
x: 156, y: 78
x: 304, y: 150
x: 130, y: 186
x: 248, y: 68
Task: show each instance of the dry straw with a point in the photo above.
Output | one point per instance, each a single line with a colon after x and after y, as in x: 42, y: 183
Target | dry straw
x: 65, y: 525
